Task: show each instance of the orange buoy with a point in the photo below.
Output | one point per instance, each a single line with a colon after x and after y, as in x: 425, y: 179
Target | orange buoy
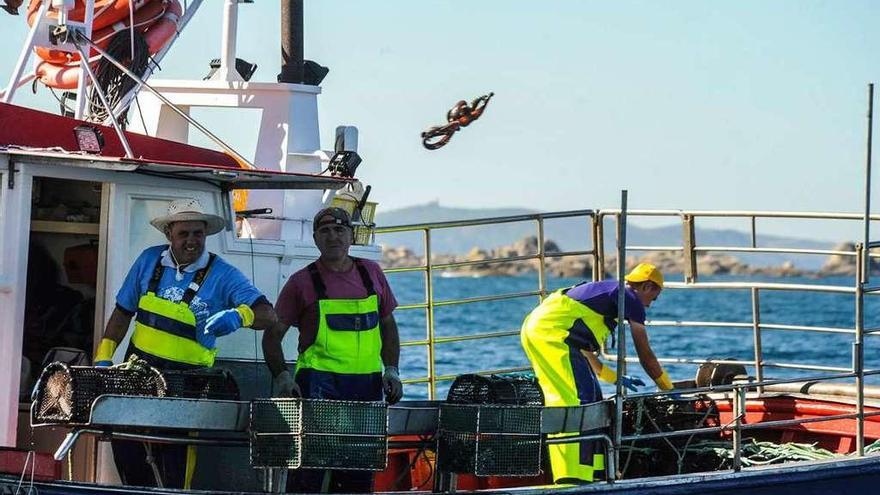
x: 143, y: 17
x: 156, y: 35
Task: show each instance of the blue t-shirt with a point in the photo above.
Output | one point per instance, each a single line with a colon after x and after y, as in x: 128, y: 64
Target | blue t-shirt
x: 601, y: 297
x: 224, y: 286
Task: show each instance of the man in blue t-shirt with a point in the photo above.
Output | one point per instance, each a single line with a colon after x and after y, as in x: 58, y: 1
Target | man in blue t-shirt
x: 561, y: 338
x: 182, y: 298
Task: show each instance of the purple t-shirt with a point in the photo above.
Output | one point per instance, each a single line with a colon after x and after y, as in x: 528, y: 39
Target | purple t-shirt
x: 601, y: 297
x: 298, y: 303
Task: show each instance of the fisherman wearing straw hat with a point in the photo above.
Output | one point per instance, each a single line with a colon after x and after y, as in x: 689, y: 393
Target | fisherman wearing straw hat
x: 182, y: 298
x: 561, y: 338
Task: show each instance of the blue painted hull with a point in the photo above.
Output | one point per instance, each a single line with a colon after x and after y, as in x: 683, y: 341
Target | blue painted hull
x: 808, y: 478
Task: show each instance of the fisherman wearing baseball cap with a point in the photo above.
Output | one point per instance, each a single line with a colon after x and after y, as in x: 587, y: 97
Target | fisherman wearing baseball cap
x: 182, y: 298
x: 348, y: 341
x: 561, y: 338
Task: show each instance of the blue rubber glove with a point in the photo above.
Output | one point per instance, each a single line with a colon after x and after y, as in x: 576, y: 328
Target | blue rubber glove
x: 223, y: 323
x: 631, y: 382
x: 103, y: 364
x: 206, y: 338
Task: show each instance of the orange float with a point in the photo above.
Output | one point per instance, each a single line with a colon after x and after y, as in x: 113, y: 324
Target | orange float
x: 143, y: 18
x: 156, y: 35
x: 106, y: 11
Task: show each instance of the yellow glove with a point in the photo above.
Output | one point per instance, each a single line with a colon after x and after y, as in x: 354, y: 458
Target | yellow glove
x: 104, y: 354
x: 247, y: 315
x: 663, y: 382
x: 607, y: 375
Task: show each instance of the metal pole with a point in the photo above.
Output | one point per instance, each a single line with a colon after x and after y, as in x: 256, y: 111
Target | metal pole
x: 756, y: 323
x: 291, y: 42
x: 24, y: 55
x: 597, y: 240
x: 227, y: 70
x: 859, y: 352
x: 863, y: 255
x: 81, y: 95
x: 542, y: 280
x: 228, y: 149
x: 429, y: 317
x: 868, y: 152
x: 739, y: 407
x: 97, y: 87
x: 621, y: 334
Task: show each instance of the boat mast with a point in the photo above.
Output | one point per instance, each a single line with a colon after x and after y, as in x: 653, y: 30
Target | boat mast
x: 291, y: 42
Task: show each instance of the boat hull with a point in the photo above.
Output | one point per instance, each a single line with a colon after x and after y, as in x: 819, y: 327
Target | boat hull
x: 856, y: 475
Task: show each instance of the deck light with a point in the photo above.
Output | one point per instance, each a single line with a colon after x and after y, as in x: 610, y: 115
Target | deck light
x: 89, y: 138
x: 344, y: 163
x: 313, y: 72
x: 244, y: 68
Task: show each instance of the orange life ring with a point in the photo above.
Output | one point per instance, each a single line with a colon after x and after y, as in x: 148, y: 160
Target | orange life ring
x: 143, y: 17
x: 106, y: 11
x: 157, y: 35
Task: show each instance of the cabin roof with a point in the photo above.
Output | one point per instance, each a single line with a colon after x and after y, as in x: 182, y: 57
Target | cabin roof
x: 46, y: 137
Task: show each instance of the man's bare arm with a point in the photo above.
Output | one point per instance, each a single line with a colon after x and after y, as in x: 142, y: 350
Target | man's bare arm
x: 264, y: 316
x: 390, y: 340
x: 647, y: 358
x: 272, y: 351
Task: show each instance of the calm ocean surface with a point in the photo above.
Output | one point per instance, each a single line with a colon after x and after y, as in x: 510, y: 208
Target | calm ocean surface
x: 777, y: 307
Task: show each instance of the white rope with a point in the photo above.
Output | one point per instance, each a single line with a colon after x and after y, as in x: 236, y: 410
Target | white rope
x: 32, y: 458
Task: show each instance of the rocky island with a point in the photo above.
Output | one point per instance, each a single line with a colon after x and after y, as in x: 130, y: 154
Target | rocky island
x: 670, y: 262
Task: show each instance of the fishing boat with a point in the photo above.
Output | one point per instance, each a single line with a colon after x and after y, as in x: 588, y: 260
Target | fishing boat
x: 76, y: 194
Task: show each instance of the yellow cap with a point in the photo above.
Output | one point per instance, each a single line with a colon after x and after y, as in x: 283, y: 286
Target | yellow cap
x: 644, y: 272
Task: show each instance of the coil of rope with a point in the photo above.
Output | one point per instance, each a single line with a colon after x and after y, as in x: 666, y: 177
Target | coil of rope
x: 113, y: 81
x: 460, y: 115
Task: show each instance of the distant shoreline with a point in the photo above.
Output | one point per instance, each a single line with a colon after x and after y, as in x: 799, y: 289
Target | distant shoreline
x: 580, y: 266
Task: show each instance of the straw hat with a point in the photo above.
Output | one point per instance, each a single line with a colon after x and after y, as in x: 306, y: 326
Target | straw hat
x: 188, y: 210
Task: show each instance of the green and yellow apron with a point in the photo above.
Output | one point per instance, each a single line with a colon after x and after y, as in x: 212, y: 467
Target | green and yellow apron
x: 348, y: 342
x: 167, y: 330
x: 552, y: 336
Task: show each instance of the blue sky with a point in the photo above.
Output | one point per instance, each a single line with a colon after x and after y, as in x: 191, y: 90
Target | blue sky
x: 698, y: 105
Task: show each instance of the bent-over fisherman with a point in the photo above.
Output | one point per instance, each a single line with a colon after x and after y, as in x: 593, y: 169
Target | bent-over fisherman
x: 561, y: 338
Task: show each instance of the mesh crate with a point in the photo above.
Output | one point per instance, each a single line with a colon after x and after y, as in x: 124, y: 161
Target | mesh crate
x: 495, y: 389
x: 363, y: 235
x: 210, y: 383
x: 490, y: 440
x: 319, y: 434
x: 368, y: 212
x: 65, y: 393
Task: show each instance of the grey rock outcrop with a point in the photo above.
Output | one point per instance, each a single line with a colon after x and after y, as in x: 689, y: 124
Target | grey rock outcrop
x: 581, y: 266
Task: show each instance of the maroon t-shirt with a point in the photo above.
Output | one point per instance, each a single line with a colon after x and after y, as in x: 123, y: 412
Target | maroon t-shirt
x: 298, y: 303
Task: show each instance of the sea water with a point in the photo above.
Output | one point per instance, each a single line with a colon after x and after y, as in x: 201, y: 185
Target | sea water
x: 800, y: 308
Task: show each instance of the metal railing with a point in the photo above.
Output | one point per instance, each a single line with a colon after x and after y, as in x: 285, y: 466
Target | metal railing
x: 688, y: 251
x: 429, y: 267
